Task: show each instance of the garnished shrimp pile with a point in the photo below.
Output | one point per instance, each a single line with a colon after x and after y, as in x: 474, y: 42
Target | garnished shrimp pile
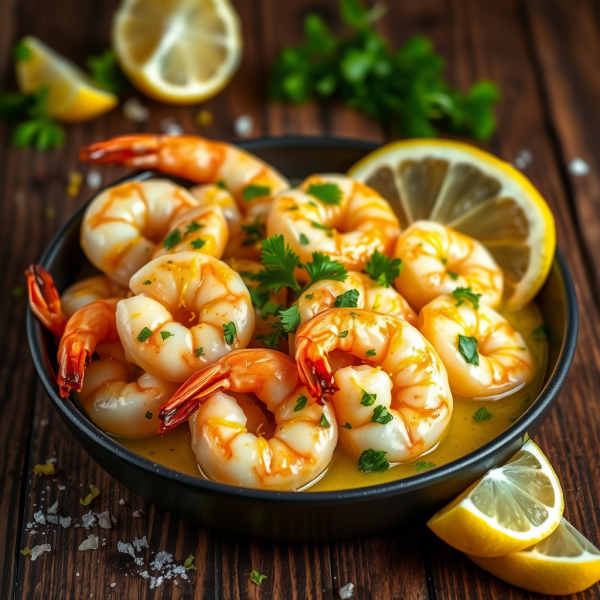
x: 322, y: 322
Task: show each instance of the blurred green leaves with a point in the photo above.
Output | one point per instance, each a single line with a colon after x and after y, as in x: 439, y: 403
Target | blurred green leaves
x: 402, y: 89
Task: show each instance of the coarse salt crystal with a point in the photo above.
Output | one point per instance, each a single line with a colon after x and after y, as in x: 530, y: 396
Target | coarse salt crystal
x: 139, y: 561
x: 52, y: 510
x: 121, y: 502
x: 161, y: 559
x: 65, y: 521
x: 170, y: 127
x: 93, y: 179
x: 113, y: 519
x: 62, y: 488
x: 578, y: 167
x: 140, y: 543
x: 243, y: 126
x: 38, y: 517
x: 51, y: 460
x: 113, y: 584
x: 134, y: 110
x: 37, y: 550
x: 52, y: 519
x: 346, y: 591
x: 126, y: 548
x: 88, y: 520
x: 144, y: 574
x: 138, y: 513
x: 29, y: 525
x: 104, y: 520
x: 90, y: 544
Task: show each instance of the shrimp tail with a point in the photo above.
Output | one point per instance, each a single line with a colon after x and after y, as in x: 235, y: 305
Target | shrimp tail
x: 140, y: 151
x: 73, y: 357
x: 192, y: 394
x: 44, y: 299
x: 318, y: 378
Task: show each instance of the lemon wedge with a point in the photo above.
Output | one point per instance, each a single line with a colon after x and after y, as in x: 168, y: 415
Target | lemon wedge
x: 563, y: 563
x: 511, y: 508
x: 72, y: 96
x: 178, y: 52
x: 475, y: 193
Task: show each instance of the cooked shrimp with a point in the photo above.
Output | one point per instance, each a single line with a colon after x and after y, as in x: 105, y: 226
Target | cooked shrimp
x: 263, y: 325
x: 485, y: 357
x: 301, y: 446
x: 400, y: 403
x: 437, y: 260
x: 252, y: 182
x: 190, y: 309
x: 125, y: 226
x: 86, y: 291
x: 367, y: 294
x: 337, y: 216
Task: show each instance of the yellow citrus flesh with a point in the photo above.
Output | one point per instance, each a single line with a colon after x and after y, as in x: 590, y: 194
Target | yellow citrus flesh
x: 475, y: 193
x: 509, y: 509
x: 72, y: 96
x: 178, y: 52
x: 563, y: 563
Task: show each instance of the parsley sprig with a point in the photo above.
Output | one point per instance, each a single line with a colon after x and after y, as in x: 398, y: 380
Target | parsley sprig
x: 382, y: 269
x: 403, y: 89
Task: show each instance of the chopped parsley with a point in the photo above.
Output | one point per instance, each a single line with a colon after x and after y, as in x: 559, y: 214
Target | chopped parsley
x: 290, y: 318
x: 317, y: 225
x: 343, y: 334
x: 193, y: 227
x: 462, y: 294
x: 289, y: 322
x: 468, y: 349
x: 199, y: 351
x: 367, y: 399
x: 324, y: 422
x: 259, y: 298
x: 371, y: 352
x: 424, y: 466
x: 197, y: 243
x: 280, y: 263
x: 147, y: 282
x: 172, y: 239
x: 144, y: 334
x: 221, y: 184
x: 444, y: 261
x: 255, y: 191
x: 323, y: 268
x: 452, y: 275
x: 270, y: 308
x: 254, y: 231
x: 166, y: 334
x: 230, y: 332
x: 348, y: 299
x: 148, y: 415
x: 482, y: 414
x: 381, y: 415
x: 347, y: 426
x: 383, y: 269
x: 327, y: 193
x: 354, y: 315
x: 304, y: 240
x: 540, y: 333
x: 309, y: 296
x: 373, y: 461
x: 300, y: 402
x: 256, y: 577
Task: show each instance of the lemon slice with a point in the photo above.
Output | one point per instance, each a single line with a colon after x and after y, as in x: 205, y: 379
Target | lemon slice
x: 509, y: 509
x: 72, y: 96
x: 178, y: 52
x: 475, y: 193
x: 563, y: 563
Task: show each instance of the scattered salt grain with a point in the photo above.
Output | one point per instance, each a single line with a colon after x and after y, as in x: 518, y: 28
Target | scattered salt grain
x: 126, y: 548
x: 139, y: 561
x: 578, y: 167
x: 140, y: 543
x: 93, y: 179
x: 65, y: 521
x: 144, y: 574
x: 104, y: 542
x: 77, y: 525
x: 38, y: 517
x: 52, y: 510
x: 88, y: 520
x: 52, y: 519
x: 62, y: 488
x: 113, y: 585
x: 52, y: 460
x: 113, y: 519
x: 37, y: 550
x: 156, y: 582
x: 170, y: 127
x: 134, y: 110
x: 104, y: 520
x: 524, y: 158
x: 44, y: 422
x: 90, y: 544
x: 243, y: 126
x: 346, y: 591
x: 138, y: 513
x: 161, y: 559
x: 76, y: 574
x: 121, y: 502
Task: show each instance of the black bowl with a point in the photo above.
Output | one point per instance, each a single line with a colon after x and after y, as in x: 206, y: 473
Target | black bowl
x: 307, y: 515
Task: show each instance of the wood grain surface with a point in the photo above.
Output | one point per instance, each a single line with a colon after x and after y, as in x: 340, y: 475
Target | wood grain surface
x: 543, y: 53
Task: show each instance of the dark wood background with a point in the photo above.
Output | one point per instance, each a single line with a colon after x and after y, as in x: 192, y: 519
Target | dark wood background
x: 543, y: 53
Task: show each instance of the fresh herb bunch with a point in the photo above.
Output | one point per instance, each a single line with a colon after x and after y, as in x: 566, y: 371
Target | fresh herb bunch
x: 403, y: 89
x: 106, y: 72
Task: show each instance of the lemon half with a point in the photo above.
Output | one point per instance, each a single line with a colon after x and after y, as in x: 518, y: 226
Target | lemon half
x: 475, y: 193
x: 511, y: 508
x: 563, y: 563
x: 72, y: 95
x: 178, y: 51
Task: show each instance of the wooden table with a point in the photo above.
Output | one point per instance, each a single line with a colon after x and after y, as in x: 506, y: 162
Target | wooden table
x: 543, y: 53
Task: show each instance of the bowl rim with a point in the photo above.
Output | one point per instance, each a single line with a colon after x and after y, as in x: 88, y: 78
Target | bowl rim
x: 71, y: 413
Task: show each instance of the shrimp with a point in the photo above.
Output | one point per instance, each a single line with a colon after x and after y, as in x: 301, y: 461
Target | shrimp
x: 264, y: 320
x: 304, y: 439
x: 86, y: 291
x: 125, y: 226
x: 337, y: 216
x: 437, y: 260
x: 189, y: 310
x: 398, y: 402
x: 252, y: 182
x: 485, y: 357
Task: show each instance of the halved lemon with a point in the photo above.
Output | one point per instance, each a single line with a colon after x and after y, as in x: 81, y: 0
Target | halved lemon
x: 509, y: 509
x: 475, y: 193
x: 177, y: 51
x: 72, y: 95
x: 563, y: 563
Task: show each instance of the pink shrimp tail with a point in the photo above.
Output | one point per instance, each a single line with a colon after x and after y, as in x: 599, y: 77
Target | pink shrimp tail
x: 192, y: 394
x: 44, y: 299
x: 317, y: 377
x: 140, y: 151
x: 73, y: 358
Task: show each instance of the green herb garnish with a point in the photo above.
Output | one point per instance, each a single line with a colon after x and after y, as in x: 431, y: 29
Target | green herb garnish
x: 468, y: 349
x: 230, y: 332
x: 256, y: 577
x: 197, y: 243
x: 462, y: 294
x: 255, y: 191
x: 144, y: 334
x: 199, y: 351
x: 540, y: 333
x: 424, y: 466
x: 452, y: 275
x: 343, y: 334
x: 148, y: 415
x: 106, y: 73
x: 327, y: 193
x: 324, y: 422
x: 193, y: 227
x: 172, y: 239
x: 482, y: 414
x: 166, y: 334
x: 371, y: 352
x: 381, y: 415
x: 254, y: 231
x: 347, y: 426
x: 383, y: 269
x: 367, y: 399
x: 147, y: 282
x: 189, y: 563
x: 300, y: 402
x: 304, y: 241
x: 373, y: 461
x: 348, y: 299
